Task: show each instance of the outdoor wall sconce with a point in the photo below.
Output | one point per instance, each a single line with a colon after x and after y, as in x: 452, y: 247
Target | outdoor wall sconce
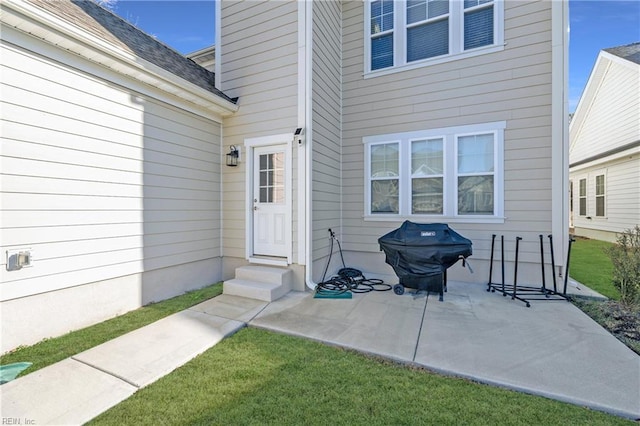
x: 232, y: 156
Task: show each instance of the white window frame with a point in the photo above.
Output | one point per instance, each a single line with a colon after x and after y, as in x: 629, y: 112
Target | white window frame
x: 450, y: 137
x: 456, y: 38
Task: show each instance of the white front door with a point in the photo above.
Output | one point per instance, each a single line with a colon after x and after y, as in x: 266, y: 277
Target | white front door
x: 270, y: 204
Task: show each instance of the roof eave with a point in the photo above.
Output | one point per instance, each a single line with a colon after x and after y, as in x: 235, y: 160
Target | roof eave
x: 33, y: 20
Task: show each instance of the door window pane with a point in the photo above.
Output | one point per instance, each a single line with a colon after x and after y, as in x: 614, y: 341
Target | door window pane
x: 271, y: 178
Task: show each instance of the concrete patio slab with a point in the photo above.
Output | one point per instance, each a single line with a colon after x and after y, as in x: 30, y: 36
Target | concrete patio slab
x: 551, y: 349
x: 144, y: 355
x: 68, y: 392
x: 375, y: 323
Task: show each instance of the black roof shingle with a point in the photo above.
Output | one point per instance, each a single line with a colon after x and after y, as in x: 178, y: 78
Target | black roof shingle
x: 630, y: 52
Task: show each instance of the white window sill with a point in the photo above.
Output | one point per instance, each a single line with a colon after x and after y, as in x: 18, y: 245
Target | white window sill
x: 435, y: 219
x: 434, y: 61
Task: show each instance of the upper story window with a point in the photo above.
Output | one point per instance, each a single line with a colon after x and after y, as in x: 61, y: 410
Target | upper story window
x: 454, y: 173
x: 407, y: 34
x: 382, y: 22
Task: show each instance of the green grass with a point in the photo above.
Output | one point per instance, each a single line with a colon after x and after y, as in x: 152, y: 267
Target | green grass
x: 50, y: 351
x: 591, y: 266
x: 258, y: 377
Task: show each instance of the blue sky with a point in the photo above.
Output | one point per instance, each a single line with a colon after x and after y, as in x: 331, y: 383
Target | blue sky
x: 188, y: 25
x: 184, y: 25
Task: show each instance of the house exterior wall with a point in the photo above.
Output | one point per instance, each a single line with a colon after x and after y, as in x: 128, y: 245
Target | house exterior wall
x: 513, y: 85
x: 327, y: 130
x: 259, y: 65
x: 622, y: 206
x: 114, y: 186
x: 605, y: 140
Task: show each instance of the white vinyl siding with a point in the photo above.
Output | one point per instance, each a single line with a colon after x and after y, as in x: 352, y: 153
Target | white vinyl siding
x: 101, y: 182
x: 621, y: 200
x: 259, y: 66
x: 608, y: 113
x: 605, y: 141
x: 326, y: 125
x: 512, y: 85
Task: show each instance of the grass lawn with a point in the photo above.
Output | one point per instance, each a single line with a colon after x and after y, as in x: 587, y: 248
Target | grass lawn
x: 50, y: 351
x: 591, y: 266
x: 257, y: 377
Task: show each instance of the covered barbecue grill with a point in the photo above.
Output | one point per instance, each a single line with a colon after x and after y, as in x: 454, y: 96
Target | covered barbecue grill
x: 421, y: 253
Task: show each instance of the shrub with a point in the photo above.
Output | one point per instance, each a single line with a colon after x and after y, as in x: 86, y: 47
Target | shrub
x: 625, y: 257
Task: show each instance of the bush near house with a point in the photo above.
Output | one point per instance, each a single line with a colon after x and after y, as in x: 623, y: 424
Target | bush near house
x: 625, y: 257
x: 611, y: 270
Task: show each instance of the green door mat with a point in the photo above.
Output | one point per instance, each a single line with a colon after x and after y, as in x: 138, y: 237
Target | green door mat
x: 10, y: 371
x: 331, y: 294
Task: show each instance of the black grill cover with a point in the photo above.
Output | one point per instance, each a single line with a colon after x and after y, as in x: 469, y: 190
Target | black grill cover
x: 423, y: 249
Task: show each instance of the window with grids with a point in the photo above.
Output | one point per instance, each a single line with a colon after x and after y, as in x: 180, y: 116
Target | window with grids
x: 382, y: 23
x: 600, y: 196
x: 451, y: 172
x: 405, y: 32
x: 271, y: 189
x: 582, y: 197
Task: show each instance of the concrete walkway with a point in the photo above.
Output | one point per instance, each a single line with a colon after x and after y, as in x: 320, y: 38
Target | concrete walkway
x: 74, y: 391
x: 550, y: 349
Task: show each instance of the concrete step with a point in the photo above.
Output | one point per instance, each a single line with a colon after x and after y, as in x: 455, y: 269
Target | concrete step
x: 259, y: 282
x: 264, y: 291
x: 265, y: 274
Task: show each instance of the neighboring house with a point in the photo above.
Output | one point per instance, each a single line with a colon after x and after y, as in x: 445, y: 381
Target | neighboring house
x: 352, y: 116
x: 206, y: 57
x: 604, y: 152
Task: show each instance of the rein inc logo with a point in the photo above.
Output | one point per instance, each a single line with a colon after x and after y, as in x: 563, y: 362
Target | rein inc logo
x: 17, y: 421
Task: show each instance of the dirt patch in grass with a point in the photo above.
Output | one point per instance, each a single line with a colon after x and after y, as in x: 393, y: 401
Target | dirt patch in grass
x: 620, y: 320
